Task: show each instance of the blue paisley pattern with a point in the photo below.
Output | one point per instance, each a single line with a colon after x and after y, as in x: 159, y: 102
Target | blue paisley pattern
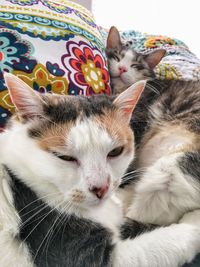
x: 12, y: 49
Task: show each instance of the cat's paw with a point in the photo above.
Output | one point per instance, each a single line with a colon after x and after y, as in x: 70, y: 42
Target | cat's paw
x: 163, y: 194
x: 156, y: 196
x: 192, y: 218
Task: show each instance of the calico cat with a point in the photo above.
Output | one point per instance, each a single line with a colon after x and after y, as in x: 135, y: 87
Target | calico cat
x: 166, y: 123
x: 62, y: 158
x: 126, y: 66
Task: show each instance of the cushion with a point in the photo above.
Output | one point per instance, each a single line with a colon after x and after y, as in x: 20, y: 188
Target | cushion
x: 53, y: 46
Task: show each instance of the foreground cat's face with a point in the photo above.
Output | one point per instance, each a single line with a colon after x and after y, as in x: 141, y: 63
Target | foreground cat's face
x: 126, y: 66
x: 77, y: 148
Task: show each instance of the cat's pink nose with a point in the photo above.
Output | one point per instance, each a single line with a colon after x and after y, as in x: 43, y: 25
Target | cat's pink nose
x: 100, y: 191
x: 122, y: 69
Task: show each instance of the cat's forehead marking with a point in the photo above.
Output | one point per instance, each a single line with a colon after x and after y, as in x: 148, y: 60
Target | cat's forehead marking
x: 95, y: 132
x: 100, y: 133
x: 70, y: 108
x: 89, y: 135
x: 129, y: 55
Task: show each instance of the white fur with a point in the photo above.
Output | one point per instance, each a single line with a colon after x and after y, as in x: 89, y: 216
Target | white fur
x: 191, y: 218
x: 164, y: 193
x: 165, y: 247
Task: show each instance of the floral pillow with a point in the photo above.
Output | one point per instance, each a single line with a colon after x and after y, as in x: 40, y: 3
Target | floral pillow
x: 53, y: 46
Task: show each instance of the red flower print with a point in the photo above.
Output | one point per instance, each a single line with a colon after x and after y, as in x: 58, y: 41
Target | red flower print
x: 86, y: 68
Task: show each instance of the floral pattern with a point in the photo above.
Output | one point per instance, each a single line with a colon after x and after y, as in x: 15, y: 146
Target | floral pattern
x: 34, y: 35
x: 41, y: 81
x: 86, y: 68
x: 12, y: 49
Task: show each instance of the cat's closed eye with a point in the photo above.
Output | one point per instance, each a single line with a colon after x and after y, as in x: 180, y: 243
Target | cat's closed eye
x: 137, y: 66
x: 116, y: 152
x: 115, y: 57
x: 133, y: 65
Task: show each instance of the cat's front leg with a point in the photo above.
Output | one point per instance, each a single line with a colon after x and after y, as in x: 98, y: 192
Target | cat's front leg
x: 170, y: 246
x: 166, y: 191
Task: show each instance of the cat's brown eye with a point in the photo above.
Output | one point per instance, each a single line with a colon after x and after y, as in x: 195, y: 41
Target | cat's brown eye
x: 116, y: 152
x: 65, y: 157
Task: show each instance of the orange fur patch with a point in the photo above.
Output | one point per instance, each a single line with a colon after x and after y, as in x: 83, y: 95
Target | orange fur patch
x: 118, y: 129
x: 55, y: 136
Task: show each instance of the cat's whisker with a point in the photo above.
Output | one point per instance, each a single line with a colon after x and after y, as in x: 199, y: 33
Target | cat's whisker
x: 31, y: 210
x: 59, y: 222
x: 134, y: 171
x: 158, y: 82
x: 132, y: 174
x: 53, y: 137
x: 63, y: 217
x: 132, y: 179
x: 63, y: 231
x: 44, y: 205
x: 151, y: 87
x: 47, y: 236
x: 37, y: 200
x: 47, y: 214
x: 29, y: 218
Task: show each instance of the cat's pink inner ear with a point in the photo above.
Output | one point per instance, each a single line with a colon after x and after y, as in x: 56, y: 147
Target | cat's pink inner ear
x: 114, y: 40
x: 25, y: 99
x: 127, y: 100
x: 153, y: 59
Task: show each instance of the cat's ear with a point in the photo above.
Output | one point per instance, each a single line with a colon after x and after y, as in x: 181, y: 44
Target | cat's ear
x: 153, y: 59
x: 114, y: 40
x: 27, y: 102
x: 127, y: 100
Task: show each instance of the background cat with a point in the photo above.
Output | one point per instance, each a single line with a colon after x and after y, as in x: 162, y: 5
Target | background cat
x: 63, y: 157
x: 166, y: 125
x: 125, y: 65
